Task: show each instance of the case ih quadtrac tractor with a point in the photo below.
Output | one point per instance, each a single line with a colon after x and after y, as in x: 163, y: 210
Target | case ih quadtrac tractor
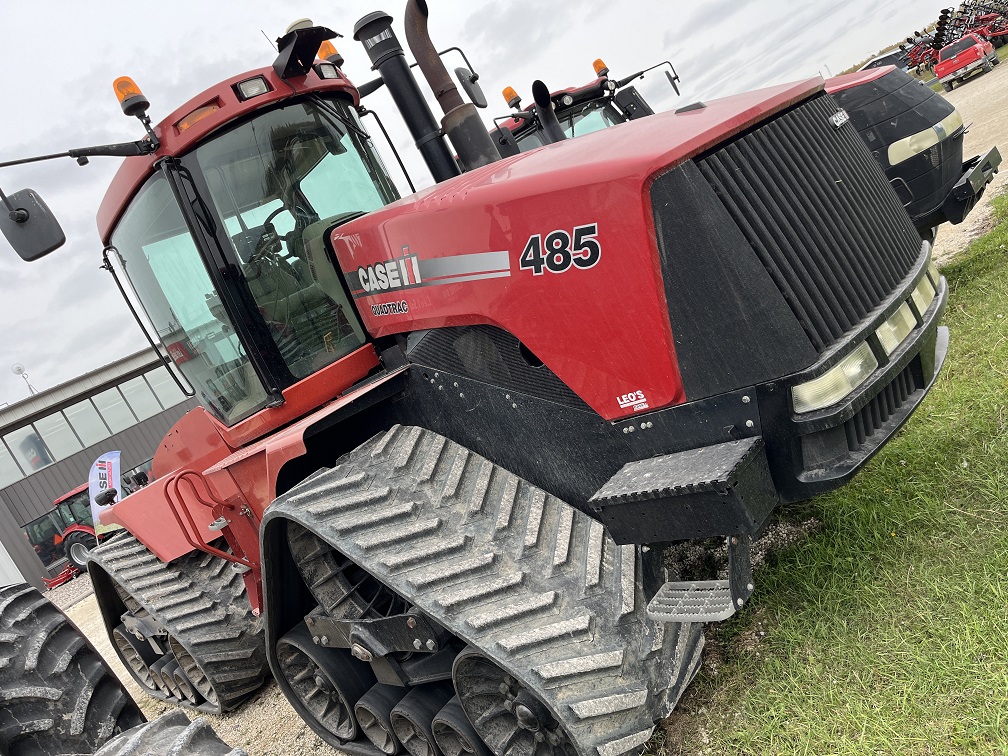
x: 445, y: 437
x: 914, y: 133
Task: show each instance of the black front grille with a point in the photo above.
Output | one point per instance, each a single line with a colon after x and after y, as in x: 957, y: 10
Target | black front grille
x: 820, y: 215
x: 882, y: 406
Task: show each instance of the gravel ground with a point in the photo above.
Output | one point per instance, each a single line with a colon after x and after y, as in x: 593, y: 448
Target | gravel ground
x: 268, y: 726
x: 982, y: 101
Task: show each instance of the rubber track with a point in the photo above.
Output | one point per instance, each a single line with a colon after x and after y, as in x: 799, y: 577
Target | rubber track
x: 200, y: 600
x: 536, y: 585
x: 57, y: 695
x: 171, y: 734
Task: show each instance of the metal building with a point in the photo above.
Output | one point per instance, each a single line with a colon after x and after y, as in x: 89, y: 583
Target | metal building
x: 49, y: 442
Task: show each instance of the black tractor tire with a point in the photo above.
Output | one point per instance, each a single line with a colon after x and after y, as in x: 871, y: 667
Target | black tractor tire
x: 552, y: 609
x: 200, y: 600
x: 170, y: 735
x: 76, y: 546
x: 57, y: 695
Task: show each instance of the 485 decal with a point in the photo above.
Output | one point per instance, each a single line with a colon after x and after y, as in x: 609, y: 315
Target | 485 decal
x: 560, y: 250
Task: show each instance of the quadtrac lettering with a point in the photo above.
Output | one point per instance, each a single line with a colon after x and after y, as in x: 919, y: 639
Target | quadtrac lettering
x: 560, y: 251
x: 390, y: 308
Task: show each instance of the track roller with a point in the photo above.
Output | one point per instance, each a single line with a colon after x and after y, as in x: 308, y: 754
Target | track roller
x: 454, y: 733
x: 326, y: 683
x: 159, y: 678
x: 373, y: 712
x: 193, y: 672
x: 412, y: 718
x: 185, y: 687
x: 504, y: 713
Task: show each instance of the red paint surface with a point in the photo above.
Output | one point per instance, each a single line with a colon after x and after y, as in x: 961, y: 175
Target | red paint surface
x: 604, y: 331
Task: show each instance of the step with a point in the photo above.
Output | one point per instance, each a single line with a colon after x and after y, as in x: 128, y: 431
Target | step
x: 696, y: 601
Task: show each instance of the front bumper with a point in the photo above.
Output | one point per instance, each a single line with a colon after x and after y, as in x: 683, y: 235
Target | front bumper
x: 818, y: 451
x: 977, y: 173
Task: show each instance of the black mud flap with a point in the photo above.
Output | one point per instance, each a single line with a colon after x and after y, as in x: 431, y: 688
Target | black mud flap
x: 717, y: 490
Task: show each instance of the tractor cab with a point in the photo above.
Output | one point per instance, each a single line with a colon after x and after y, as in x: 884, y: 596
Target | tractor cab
x: 224, y: 245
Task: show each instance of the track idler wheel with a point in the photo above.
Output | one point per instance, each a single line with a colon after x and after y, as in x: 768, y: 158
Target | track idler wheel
x: 326, y: 682
x: 454, y: 733
x: 413, y: 716
x: 374, y: 711
x: 138, y: 655
x: 504, y: 713
x: 194, y: 674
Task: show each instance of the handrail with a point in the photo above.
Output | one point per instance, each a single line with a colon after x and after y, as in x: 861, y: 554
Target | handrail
x: 177, y: 502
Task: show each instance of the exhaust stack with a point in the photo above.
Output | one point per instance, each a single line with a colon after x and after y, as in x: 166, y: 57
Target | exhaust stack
x: 461, y: 123
x: 552, y: 131
x: 374, y: 31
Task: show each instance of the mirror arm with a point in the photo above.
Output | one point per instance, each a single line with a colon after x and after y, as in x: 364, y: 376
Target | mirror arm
x: 623, y: 82
x: 17, y: 214
x: 475, y: 76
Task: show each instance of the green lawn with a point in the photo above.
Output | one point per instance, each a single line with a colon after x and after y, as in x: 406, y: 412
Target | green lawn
x: 886, y: 631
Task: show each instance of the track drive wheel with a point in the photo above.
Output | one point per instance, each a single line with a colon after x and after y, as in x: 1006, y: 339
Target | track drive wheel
x: 326, y: 683
x: 504, y: 713
x: 57, y: 696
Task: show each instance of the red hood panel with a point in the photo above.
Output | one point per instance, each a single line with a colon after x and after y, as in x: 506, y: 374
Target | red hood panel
x: 452, y: 255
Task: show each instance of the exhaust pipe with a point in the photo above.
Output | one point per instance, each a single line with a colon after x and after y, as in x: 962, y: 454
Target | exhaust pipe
x: 461, y: 122
x: 374, y: 31
x: 552, y: 131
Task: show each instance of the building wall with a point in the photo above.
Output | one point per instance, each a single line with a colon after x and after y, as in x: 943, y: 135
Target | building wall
x: 9, y: 571
x: 25, y: 500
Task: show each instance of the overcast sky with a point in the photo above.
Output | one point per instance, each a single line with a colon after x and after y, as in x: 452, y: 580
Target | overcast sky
x: 62, y: 316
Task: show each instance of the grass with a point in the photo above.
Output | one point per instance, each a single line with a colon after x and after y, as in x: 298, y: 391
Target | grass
x: 886, y: 631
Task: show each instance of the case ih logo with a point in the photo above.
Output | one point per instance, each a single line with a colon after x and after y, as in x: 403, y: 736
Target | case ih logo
x: 839, y: 118
x: 410, y: 272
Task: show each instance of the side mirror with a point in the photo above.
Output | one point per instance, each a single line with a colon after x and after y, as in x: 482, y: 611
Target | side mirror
x: 473, y: 90
x: 29, y: 225
x: 672, y: 80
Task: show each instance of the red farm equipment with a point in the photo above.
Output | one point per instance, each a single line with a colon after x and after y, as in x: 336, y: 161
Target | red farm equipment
x: 445, y: 438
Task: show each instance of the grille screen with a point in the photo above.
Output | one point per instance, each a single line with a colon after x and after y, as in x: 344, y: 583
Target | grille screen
x: 883, y: 406
x: 820, y: 215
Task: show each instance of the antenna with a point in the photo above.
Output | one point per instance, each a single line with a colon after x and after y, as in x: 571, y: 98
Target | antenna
x: 18, y: 369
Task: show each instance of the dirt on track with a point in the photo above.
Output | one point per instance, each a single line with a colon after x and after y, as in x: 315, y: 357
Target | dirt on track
x: 983, y: 103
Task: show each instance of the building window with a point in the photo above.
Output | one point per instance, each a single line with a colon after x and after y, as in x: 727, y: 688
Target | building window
x: 9, y: 471
x: 165, y: 388
x: 140, y: 398
x: 29, y: 450
x: 58, y: 436
x: 114, y: 410
x: 86, y: 421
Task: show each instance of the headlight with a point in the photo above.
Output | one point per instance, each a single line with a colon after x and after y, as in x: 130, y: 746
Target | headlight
x: 909, y: 146
x: 923, y: 295
x: 898, y: 326
x: 934, y: 275
x: 837, y: 383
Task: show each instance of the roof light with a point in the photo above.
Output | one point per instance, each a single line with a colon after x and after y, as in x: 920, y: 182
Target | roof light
x: 327, y: 51
x: 511, y: 97
x: 196, y: 116
x: 253, y: 87
x: 327, y: 71
x: 833, y: 385
x: 601, y: 69
x: 131, y: 99
x: 567, y: 100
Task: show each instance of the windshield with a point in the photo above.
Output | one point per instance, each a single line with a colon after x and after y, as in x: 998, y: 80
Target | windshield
x: 957, y: 47
x: 578, y: 121
x: 278, y: 182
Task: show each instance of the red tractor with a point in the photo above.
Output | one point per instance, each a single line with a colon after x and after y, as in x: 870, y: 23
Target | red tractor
x: 445, y: 438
